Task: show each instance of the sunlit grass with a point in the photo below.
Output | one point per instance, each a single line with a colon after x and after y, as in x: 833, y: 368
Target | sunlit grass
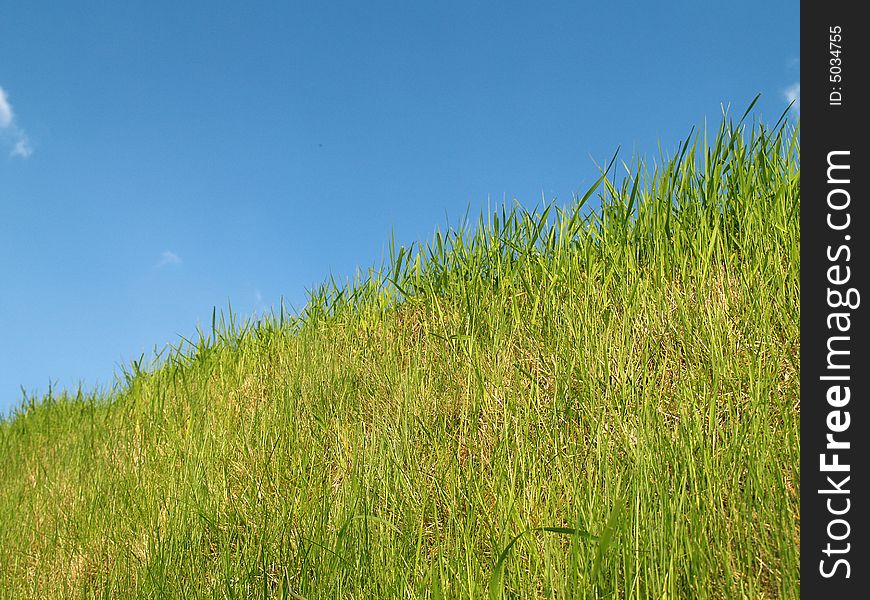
x: 563, y: 403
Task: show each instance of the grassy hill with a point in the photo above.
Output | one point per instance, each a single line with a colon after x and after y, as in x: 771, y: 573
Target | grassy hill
x: 564, y: 403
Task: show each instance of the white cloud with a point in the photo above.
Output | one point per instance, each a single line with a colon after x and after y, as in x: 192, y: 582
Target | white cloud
x: 10, y: 132
x: 167, y: 259
x: 793, y: 94
x: 6, y: 114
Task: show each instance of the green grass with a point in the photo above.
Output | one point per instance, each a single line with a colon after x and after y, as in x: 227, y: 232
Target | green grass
x: 564, y: 403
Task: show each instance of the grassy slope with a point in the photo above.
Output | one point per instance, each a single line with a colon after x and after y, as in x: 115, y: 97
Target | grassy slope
x: 631, y: 374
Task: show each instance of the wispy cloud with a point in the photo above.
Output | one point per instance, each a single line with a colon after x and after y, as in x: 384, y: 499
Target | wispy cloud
x: 10, y: 132
x: 22, y: 147
x: 168, y: 258
x: 793, y: 94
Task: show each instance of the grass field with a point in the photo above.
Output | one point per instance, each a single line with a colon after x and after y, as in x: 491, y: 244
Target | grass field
x: 563, y: 403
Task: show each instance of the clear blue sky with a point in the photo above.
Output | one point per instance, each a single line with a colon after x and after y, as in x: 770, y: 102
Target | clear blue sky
x: 161, y: 158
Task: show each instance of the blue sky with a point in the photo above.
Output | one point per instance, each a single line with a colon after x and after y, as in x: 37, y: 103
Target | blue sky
x: 158, y: 159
